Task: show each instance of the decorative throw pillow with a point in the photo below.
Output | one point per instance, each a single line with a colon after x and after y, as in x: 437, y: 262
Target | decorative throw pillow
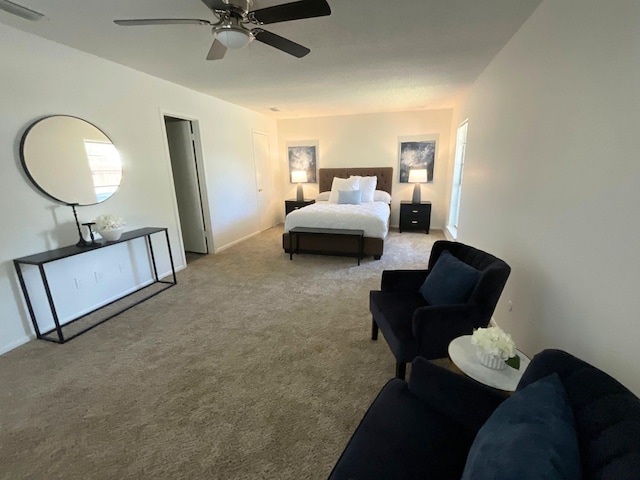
x: 323, y: 197
x: 342, y: 184
x: 368, y: 187
x: 450, y: 281
x: 529, y: 436
x: 350, y: 196
x: 381, y: 196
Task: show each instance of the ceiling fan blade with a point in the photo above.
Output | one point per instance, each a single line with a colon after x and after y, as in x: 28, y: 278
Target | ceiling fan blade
x: 280, y: 43
x: 217, y: 50
x: 215, y: 4
x: 292, y: 11
x: 162, y: 21
x: 20, y: 11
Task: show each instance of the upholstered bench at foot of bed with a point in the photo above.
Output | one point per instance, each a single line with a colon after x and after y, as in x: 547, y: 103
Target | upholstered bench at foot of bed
x: 346, y: 234
x: 335, y: 246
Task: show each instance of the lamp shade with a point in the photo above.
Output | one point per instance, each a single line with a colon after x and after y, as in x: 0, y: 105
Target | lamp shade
x: 299, y: 176
x: 418, y: 175
x: 234, y: 37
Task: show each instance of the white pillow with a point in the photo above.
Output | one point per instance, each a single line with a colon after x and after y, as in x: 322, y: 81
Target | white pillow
x: 342, y: 184
x: 381, y: 196
x: 368, y: 187
x: 323, y: 197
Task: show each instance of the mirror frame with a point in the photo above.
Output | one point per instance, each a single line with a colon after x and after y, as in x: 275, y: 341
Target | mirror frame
x: 29, y: 173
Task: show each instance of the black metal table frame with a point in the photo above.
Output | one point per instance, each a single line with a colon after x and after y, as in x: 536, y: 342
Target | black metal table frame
x: 297, y: 231
x: 41, y: 259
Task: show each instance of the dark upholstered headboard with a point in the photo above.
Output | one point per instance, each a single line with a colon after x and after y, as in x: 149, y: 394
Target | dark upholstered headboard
x: 384, y: 174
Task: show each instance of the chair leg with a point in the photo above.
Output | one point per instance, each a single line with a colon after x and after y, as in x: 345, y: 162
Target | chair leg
x: 374, y: 330
x: 401, y: 370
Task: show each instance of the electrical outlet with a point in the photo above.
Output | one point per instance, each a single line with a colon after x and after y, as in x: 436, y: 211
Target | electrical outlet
x: 78, y: 282
x: 99, y: 276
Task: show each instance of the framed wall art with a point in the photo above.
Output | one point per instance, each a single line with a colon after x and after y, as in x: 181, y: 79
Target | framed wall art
x: 416, y: 153
x: 303, y: 157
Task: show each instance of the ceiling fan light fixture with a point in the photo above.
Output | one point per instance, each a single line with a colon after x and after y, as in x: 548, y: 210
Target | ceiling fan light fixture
x: 234, y: 37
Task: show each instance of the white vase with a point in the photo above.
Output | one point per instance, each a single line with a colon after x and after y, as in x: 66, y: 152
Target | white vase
x: 491, y: 361
x: 111, y: 235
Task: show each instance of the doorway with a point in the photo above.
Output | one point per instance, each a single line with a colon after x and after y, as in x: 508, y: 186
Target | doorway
x: 264, y: 179
x: 183, y: 152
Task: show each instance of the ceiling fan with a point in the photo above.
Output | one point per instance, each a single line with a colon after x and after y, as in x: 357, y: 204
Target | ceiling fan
x: 230, y: 31
x: 20, y: 11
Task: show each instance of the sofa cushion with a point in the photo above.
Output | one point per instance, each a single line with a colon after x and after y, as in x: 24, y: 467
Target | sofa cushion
x: 530, y: 436
x: 449, y: 392
x: 450, y: 281
x: 400, y: 437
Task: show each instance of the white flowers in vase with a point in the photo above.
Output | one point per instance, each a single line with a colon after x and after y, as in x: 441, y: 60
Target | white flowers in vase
x: 110, y: 226
x: 495, y: 348
x: 109, y: 221
x: 494, y: 341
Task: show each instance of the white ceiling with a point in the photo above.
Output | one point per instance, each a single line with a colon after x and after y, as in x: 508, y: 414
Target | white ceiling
x: 367, y: 56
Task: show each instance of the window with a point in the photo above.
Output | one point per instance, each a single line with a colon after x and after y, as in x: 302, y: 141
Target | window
x: 456, y: 188
x: 105, y: 166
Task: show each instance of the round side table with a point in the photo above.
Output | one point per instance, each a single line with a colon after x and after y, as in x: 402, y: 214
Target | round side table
x: 463, y: 355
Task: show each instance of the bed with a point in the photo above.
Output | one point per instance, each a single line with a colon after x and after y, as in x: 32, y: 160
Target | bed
x: 374, y: 233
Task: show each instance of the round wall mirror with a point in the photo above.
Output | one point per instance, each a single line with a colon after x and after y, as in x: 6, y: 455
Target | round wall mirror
x: 71, y: 160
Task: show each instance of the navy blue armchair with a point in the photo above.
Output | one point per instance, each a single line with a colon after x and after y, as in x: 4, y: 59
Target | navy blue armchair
x: 414, y: 327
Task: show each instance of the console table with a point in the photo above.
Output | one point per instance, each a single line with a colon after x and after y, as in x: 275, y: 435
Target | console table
x: 41, y: 259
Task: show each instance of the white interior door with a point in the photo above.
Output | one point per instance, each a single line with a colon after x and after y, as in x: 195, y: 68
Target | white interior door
x: 186, y: 182
x: 264, y: 181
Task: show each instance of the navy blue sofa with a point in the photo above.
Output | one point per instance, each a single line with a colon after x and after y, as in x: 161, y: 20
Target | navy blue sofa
x: 424, y: 429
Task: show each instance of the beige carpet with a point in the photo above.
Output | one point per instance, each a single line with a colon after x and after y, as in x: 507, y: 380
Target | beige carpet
x: 252, y: 367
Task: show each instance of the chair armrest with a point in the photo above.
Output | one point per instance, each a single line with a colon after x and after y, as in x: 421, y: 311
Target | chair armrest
x: 435, y: 326
x: 462, y: 399
x: 403, y: 280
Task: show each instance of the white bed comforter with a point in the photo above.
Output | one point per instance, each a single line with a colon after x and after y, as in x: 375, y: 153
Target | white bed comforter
x: 372, y: 217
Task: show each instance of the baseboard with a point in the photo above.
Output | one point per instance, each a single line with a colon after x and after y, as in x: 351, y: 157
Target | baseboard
x: 18, y: 343
x: 235, y: 242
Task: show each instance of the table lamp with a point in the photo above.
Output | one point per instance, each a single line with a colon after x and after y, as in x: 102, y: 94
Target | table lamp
x: 300, y: 177
x: 417, y: 176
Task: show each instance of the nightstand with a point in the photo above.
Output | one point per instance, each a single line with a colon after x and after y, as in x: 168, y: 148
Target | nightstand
x: 291, y: 205
x: 415, y: 216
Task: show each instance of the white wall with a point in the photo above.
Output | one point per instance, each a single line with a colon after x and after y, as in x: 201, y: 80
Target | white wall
x: 42, y: 78
x: 551, y: 180
x: 371, y: 140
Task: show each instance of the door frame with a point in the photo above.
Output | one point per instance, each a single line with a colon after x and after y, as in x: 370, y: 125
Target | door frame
x: 271, y: 185
x: 202, y: 175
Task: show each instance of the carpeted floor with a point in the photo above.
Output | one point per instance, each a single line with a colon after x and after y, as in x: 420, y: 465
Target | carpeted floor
x: 252, y: 367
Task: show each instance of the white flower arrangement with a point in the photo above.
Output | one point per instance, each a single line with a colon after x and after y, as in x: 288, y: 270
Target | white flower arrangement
x: 109, y: 221
x: 494, y: 341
